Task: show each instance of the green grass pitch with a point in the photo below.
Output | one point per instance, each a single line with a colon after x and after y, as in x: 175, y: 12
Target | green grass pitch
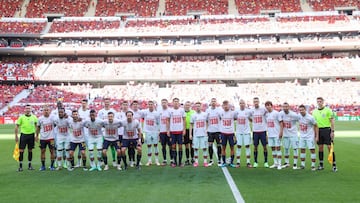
x: 165, y: 184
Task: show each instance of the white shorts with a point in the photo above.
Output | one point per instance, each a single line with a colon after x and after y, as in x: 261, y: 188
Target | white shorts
x: 291, y: 142
x: 274, y: 142
x: 200, y: 142
x: 62, y: 143
x: 151, y: 138
x: 243, y: 139
x: 95, y: 142
x: 307, y: 143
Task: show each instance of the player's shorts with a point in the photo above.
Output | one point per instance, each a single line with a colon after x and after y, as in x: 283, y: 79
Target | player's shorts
x: 187, y: 137
x: 131, y: 143
x: 27, y: 139
x: 227, y: 138
x: 274, y: 142
x: 62, y: 143
x: 259, y: 136
x: 82, y: 146
x: 176, y: 139
x: 164, y: 139
x: 200, y: 142
x: 116, y: 144
x: 151, y: 138
x: 324, y: 136
x: 307, y: 143
x: 290, y: 142
x: 95, y: 141
x: 214, y: 136
x: 243, y: 139
x: 44, y: 143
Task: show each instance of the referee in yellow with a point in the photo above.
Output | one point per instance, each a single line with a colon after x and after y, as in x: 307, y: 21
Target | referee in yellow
x: 26, y: 123
x: 325, y: 121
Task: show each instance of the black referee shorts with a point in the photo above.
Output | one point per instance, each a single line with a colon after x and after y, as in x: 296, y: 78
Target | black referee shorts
x: 324, y: 136
x: 27, y: 139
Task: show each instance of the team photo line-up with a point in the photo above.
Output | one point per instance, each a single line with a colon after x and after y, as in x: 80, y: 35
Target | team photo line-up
x: 63, y: 130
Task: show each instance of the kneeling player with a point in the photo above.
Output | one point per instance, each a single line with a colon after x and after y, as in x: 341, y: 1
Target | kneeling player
x: 111, y: 138
x: 309, y: 132
x: 132, y: 137
x: 200, y: 140
x: 77, y: 139
x: 95, y: 139
x: 45, y: 127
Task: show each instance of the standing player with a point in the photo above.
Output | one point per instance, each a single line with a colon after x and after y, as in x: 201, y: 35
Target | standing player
x: 62, y: 138
x: 227, y: 130
x: 45, y: 127
x: 95, y: 139
x: 243, y: 131
x: 213, y: 115
x: 84, y: 115
x: 27, y: 125
x: 151, y: 126
x: 111, y: 138
x: 275, y: 131
x: 259, y: 131
x: 132, y: 136
x: 103, y: 115
x: 290, y: 134
x: 137, y: 116
x: 165, y: 129
x: 325, y: 121
x: 177, y: 131
x: 189, y: 150
x: 77, y: 139
x: 309, y: 132
x: 198, y: 134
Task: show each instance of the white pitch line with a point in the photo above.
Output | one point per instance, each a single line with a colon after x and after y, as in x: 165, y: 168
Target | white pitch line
x: 234, y: 189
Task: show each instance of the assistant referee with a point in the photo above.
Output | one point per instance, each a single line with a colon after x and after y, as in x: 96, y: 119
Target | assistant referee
x: 325, y: 121
x: 27, y: 125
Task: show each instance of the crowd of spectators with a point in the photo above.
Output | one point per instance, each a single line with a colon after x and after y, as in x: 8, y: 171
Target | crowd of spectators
x: 99, y: 25
x: 143, y: 8
x: 22, y: 27
x: 38, y: 9
x: 184, y: 7
x: 8, y: 8
x: 256, y: 6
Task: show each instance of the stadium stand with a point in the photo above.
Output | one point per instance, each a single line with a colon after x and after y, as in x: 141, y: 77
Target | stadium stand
x: 22, y: 26
x: 38, y: 9
x: 17, y: 68
x: 8, y: 92
x: 184, y: 7
x: 83, y: 25
x: 8, y: 8
x: 255, y: 6
x: 330, y: 5
x: 146, y: 8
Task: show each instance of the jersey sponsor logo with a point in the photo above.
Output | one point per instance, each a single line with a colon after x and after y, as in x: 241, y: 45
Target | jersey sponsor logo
x: 287, y: 124
x: 48, y: 127
x: 93, y: 131
x: 226, y: 122
x: 176, y: 119
x: 63, y: 130
x: 258, y: 119
x: 241, y: 121
x: 303, y: 127
x: 214, y: 120
x: 110, y: 131
x: 200, y: 124
x: 77, y: 133
x: 270, y: 124
x: 130, y: 133
x: 150, y: 122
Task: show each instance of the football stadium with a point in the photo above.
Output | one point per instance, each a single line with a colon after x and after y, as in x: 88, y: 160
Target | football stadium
x: 179, y: 100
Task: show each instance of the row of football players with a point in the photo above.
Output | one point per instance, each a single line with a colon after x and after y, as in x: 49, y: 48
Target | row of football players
x: 123, y: 130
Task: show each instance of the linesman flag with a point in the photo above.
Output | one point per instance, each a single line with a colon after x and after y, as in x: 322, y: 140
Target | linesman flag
x: 16, y: 152
x: 331, y: 155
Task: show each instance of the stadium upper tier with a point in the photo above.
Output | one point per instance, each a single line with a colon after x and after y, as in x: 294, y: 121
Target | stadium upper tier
x: 152, y: 8
x: 199, y: 70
